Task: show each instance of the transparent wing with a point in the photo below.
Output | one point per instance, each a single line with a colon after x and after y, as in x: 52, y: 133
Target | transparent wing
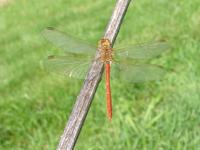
x: 137, y: 73
x: 68, y: 66
x: 142, y: 51
x: 67, y: 43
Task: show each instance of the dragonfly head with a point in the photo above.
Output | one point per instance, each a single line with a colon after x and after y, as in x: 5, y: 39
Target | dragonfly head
x: 104, y: 44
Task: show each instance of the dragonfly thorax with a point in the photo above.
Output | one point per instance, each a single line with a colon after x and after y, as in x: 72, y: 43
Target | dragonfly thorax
x: 105, y: 50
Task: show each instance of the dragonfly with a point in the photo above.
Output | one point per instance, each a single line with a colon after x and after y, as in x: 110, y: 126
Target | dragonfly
x: 127, y: 63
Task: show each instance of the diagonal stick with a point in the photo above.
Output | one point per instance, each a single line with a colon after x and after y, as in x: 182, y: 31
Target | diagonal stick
x: 85, y: 97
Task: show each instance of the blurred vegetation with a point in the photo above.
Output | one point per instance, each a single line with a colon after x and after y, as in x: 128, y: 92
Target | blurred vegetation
x: 34, y: 105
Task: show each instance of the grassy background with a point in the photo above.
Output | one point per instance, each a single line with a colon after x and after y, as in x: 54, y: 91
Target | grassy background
x: 34, y: 105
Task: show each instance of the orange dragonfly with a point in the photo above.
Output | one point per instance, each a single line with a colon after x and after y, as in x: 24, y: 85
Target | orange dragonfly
x: 79, y: 54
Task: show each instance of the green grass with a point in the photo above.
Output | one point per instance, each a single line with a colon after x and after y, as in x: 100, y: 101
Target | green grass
x: 34, y: 105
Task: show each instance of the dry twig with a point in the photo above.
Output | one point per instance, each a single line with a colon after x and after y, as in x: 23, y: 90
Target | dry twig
x: 81, y: 107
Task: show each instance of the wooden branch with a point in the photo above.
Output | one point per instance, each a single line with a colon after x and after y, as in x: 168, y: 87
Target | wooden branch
x: 81, y: 107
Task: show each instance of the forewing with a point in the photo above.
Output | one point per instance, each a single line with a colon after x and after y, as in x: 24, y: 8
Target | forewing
x: 68, y: 66
x: 137, y: 73
x: 142, y: 51
x: 67, y: 43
